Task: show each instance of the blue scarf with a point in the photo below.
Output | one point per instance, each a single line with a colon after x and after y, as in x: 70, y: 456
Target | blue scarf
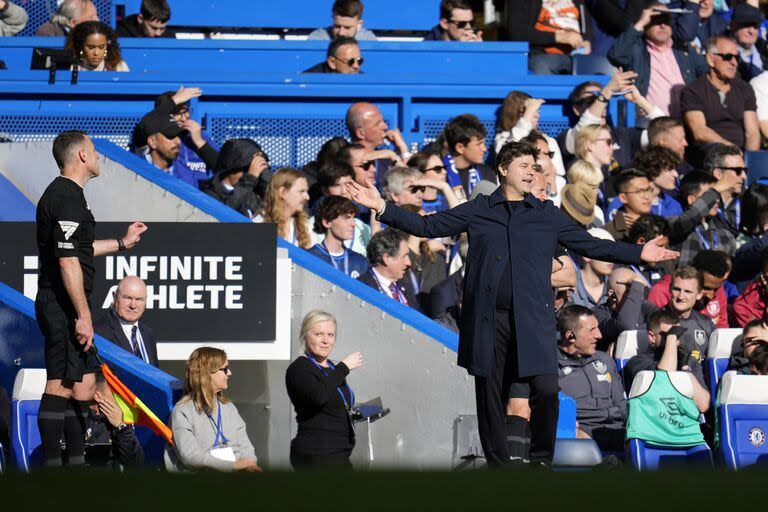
x: 454, y: 180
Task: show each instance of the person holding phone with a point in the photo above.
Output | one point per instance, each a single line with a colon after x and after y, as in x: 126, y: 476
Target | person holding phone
x: 321, y: 396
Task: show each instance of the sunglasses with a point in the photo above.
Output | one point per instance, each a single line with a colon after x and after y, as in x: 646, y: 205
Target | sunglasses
x: 738, y: 170
x: 463, y: 24
x: 437, y: 168
x: 366, y: 165
x: 726, y: 56
x: 551, y: 154
x: 351, y: 62
x: 417, y: 188
x: 224, y: 369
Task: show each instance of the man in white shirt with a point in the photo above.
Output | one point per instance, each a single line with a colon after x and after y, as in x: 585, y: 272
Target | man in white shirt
x: 388, y: 256
x: 121, y: 323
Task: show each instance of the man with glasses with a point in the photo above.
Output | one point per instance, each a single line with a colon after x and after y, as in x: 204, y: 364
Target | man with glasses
x: 723, y: 160
x: 400, y: 185
x: 663, y: 65
x: 719, y: 107
x: 343, y: 58
x: 457, y: 23
x: 636, y: 195
x: 753, y: 51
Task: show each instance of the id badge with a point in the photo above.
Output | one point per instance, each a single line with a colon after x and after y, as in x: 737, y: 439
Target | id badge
x: 224, y: 453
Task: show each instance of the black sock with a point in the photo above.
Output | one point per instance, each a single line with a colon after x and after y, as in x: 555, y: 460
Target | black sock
x: 50, y: 422
x: 74, y: 431
x: 518, y: 439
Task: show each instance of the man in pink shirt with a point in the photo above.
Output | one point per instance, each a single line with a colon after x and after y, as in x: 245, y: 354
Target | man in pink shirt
x: 714, y: 266
x: 663, y: 65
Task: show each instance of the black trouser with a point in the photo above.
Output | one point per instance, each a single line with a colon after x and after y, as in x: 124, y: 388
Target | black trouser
x: 492, y: 394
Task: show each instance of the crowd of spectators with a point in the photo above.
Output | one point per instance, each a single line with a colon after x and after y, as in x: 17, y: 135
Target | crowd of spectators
x: 694, y: 71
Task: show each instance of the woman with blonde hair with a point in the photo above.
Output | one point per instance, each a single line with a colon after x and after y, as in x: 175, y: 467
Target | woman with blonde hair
x: 285, y: 202
x: 208, y: 432
x: 584, y: 180
x: 321, y: 396
x: 595, y: 145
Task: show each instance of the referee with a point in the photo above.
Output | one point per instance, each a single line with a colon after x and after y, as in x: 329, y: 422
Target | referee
x: 65, y: 241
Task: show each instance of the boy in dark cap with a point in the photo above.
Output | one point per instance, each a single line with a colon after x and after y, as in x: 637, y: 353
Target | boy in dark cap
x: 242, y: 176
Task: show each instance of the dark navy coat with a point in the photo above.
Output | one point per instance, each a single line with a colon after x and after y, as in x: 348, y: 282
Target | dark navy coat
x: 527, y: 239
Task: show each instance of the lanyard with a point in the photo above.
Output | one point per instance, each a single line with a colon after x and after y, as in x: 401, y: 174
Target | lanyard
x: 347, y: 405
x: 737, y: 213
x: 219, y: 431
x: 638, y: 272
x: 454, y: 179
x: 704, y: 242
x: 414, y: 281
x: 324, y: 248
x: 396, y: 294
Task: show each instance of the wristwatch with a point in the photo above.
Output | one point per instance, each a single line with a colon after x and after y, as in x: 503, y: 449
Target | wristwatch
x: 123, y: 427
x: 602, y: 98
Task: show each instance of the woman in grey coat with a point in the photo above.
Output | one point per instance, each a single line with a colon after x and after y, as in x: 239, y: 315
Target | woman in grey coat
x: 208, y: 432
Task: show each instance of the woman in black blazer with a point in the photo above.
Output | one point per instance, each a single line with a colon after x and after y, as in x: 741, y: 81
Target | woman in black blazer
x: 321, y: 396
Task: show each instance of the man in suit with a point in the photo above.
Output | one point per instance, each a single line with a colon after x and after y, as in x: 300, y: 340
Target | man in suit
x: 507, y: 335
x: 121, y: 323
x: 388, y: 255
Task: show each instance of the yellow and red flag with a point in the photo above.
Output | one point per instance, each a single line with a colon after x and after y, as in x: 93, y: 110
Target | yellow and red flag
x: 134, y: 410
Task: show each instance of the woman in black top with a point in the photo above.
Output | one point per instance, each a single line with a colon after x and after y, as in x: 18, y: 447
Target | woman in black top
x: 321, y: 396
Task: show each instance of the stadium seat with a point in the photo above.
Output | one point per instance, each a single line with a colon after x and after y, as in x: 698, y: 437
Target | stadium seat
x: 575, y: 454
x: 757, y: 163
x: 592, y: 65
x: 645, y: 456
x: 743, y: 420
x: 25, y: 402
x: 626, y: 348
x: 718, y: 354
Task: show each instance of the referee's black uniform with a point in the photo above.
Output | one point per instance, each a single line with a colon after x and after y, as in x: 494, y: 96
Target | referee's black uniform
x: 65, y: 228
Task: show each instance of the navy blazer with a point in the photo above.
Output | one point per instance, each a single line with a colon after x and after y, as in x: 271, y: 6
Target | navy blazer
x: 108, y: 326
x: 405, y: 287
x: 526, y: 238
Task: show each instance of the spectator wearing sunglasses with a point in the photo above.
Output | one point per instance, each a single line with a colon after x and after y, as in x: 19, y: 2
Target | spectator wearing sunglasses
x: 719, y: 107
x: 438, y: 195
x: 457, y: 23
x: 347, y: 21
x: 663, y: 65
x: 555, y: 29
x: 724, y: 160
x: 401, y: 186
x: 753, y: 50
x: 208, y: 431
x: 343, y: 57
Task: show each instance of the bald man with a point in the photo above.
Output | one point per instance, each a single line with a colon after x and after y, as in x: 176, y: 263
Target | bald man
x: 121, y: 323
x: 367, y: 127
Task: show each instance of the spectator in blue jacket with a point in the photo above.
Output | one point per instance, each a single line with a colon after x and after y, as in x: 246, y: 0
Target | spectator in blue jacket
x: 347, y: 21
x: 663, y: 65
x: 707, y: 23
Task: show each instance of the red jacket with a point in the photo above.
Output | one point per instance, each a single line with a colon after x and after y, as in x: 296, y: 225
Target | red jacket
x: 716, y: 309
x: 750, y: 304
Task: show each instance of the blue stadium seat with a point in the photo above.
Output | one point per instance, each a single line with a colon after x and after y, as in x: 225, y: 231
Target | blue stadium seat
x: 25, y: 402
x: 626, y: 349
x: 574, y: 454
x: 592, y: 65
x: 743, y: 420
x: 757, y: 163
x: 718, y: 354
x: 645, y: 456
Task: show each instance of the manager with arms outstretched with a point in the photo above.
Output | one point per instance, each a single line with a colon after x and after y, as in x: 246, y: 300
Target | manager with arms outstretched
x: 507, y: 335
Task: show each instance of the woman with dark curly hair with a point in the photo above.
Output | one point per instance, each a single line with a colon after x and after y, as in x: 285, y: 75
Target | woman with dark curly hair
x: 94, y: 47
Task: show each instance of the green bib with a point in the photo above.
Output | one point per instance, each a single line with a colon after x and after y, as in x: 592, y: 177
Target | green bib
x: 663, y: 416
